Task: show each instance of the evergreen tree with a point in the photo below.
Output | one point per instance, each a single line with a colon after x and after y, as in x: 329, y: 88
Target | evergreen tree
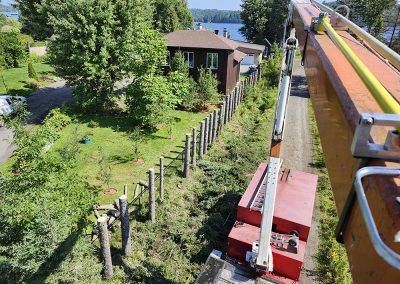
x: 216, y: 16
x: 179, y: 64
x: 32, y: 72
x: 171, y: 15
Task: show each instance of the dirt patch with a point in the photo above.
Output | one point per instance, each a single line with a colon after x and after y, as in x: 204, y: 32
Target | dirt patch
x: 138, y: 162
x: 110, y: 191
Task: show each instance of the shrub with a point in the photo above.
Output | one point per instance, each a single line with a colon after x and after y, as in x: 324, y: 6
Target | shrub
x: 179, y: 64
x: 149, y: 100
x: 203, y: 92
x: 181, y: 84
x: 272, y: 67
x: 32, y: 72
x: 93, y: 124
x: 32, y: 84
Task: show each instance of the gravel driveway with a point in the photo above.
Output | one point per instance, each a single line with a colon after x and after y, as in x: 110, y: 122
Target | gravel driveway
x: 297, y: 154
x: 39, y: 104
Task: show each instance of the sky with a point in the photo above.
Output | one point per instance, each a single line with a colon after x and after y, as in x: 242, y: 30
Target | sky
x: 215, y: 4
x: 7, y: 2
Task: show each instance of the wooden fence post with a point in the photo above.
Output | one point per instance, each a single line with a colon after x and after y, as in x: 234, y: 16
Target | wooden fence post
x: 186, y: 163
x: 201, y: 142
x: 194, y: 146
x: 162, y: 178
x: 206, y: 133
x: 152, y: 197
x: 215, y: 125
x: 237, y: 96
x: 231, y: 108
x: 125, y: 229
x: 221, y: 118
x: 105, y: 247
x: 226, y: 109
x: 240, y: 93
x: 210, y: 130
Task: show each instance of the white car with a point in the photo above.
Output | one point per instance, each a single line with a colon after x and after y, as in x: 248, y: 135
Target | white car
x: 7, y: 103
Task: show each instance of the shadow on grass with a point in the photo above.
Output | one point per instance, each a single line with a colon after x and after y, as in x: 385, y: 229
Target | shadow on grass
x: 119, y: 160
x: 156, y: 273
x: 59, y: 255
x: 216, y: 228
x: 317, y: 165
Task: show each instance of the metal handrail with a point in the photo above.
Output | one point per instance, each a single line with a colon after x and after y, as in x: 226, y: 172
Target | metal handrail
x: 380, y: 47
x: 381, y: 248
x: 378, y: 91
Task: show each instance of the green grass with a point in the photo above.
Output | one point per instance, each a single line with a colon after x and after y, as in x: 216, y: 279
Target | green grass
x: 112, y: 136
x: 18, y: 81
x: 331, y: 258
x: 197, y: 213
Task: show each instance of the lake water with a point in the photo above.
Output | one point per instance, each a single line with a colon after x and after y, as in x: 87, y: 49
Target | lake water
x: 11, y: 14
x: 232, y: 28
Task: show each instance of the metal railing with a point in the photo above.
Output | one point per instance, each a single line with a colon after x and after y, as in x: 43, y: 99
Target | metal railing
x: 378, y: 91
x: 381, y: 248
x: 380, y: 47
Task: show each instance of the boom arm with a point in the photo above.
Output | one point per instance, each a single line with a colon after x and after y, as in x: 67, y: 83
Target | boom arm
x: 264, y: 257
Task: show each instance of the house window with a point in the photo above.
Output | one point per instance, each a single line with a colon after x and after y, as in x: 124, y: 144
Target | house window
x: 212, y: 60
x: 167, y: 59
x: 189, y: 58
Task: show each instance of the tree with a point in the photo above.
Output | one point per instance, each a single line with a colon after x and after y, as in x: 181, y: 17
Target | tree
x: 149, y: 99
x: 203, y: 92
x: 136, y: 137
x: 179, y: 64
x: 12, y: 49
x: 97, y: 43
x: 32, y: 72
x: 216, y: 16
x: 9, y: 24
x: 172, y: 15
x: 34, y: 17
x: 254, y: 17
x: 178, y: 77
x: 272, y: 66
x: 370, y: 13
x: 104, y: 174
x: 263, y: 19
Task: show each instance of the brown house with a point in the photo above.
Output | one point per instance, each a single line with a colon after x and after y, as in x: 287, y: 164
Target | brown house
x: 211, y: 51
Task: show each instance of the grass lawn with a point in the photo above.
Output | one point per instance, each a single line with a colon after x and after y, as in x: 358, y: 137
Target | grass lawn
x: 17, y: 79
x: 112, y: 136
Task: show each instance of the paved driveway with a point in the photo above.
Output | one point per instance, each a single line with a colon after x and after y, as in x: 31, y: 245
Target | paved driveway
x: 39, y: 104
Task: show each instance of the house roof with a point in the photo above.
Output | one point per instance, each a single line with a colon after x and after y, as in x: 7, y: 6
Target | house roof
x: 208, y: 39
x: 199, y: 39
x: 251, y: 46
x: 238, y: 55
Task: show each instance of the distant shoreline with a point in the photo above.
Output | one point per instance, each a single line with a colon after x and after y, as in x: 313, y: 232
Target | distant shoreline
x: 240, y: 23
